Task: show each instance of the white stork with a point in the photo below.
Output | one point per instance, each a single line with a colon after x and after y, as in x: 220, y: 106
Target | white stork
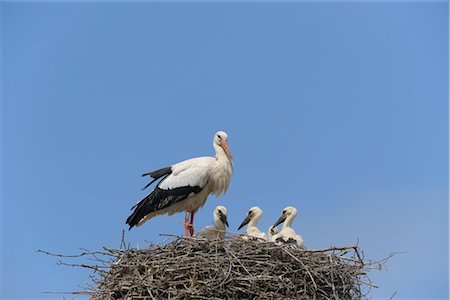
x: 252, y: 218
x: 185, y: 186
x: 287, y: 235
x: 273, y: 230
x: 217, y: 231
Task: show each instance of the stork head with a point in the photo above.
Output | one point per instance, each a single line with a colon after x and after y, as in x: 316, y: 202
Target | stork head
x: 289, y: 212
x: 254, y: 213
x: 221, y: 140
x: 273, y: 230
x: 220, y: 215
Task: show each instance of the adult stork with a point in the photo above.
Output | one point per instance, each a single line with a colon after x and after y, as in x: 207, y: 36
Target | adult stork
x: 287, y: 235
x: 217, y: 231
x: 185, y: 186
x: 251, y: 220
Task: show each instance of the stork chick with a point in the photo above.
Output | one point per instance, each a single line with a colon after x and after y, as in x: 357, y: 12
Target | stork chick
x: 287, y: 235
x: 273, y: 230
x: 217, y: 231
x: 252, y: 218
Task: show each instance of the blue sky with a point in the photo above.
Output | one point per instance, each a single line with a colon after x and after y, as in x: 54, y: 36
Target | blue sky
x: 340, y: 109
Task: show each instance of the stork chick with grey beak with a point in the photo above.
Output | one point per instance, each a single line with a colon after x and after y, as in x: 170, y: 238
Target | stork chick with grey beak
x: 185, y: 186
x: 287, y: 235
x: 273, y: 230
x: 217, y: 231
x: 252, y: 218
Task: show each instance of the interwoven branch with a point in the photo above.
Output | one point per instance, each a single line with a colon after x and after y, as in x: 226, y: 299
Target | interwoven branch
x: 195, y: 268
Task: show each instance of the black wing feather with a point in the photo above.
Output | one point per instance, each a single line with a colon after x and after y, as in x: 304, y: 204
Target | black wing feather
x: 159, y: 199
x: 157, y: 175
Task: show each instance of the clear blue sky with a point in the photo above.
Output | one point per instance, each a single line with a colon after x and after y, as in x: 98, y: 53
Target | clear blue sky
x: 340, y: 109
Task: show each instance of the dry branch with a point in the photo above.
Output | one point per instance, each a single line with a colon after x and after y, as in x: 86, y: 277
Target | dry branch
x: 195, y: 268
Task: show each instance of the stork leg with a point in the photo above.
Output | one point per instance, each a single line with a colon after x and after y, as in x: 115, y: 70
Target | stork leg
x: 186, y: 224
x: 191, y: 224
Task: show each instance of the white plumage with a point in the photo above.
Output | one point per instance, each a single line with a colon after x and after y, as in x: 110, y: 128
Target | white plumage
x: 191, y: 172
x: 216, y: 231
x: 251, y: 220
x: 287, y: 235
x: 185, y: 186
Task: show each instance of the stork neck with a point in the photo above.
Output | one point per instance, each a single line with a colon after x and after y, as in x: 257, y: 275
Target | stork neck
x: 254, y: 221
x: 288, y: 222
x: 220, y: 153
x: 252, y: 230
x: 219, y: 225
x: 220, y: 172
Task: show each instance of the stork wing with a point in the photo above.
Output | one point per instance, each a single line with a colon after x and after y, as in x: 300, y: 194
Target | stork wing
x: 192, y: 172
x: 186, y: 179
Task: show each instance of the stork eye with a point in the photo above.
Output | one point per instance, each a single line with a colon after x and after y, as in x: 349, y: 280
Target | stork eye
x: 284, y: 212
x: 219, y: 137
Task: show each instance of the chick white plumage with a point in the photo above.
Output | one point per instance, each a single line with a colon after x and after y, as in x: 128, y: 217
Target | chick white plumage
x: 287, y: 235
x: 218, y: 230
x: 251, y: 220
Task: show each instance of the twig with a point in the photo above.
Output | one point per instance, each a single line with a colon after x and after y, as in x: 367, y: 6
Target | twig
x: 233, y: 268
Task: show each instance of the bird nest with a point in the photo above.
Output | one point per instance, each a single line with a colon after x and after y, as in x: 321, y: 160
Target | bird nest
x: 234, y: 268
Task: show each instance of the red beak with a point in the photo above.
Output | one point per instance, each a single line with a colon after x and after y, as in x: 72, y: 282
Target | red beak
x: 224, y: 145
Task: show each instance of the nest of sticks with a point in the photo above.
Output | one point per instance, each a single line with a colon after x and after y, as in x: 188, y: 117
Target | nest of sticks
x: 234, y: 268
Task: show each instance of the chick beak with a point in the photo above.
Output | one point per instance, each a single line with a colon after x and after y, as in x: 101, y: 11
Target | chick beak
x: 223, y: 218
x: 279, y: 221
x: 245, y: 222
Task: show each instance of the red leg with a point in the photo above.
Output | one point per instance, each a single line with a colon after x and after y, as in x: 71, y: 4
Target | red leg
x: 191, y: 224
x: 186, y: 224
